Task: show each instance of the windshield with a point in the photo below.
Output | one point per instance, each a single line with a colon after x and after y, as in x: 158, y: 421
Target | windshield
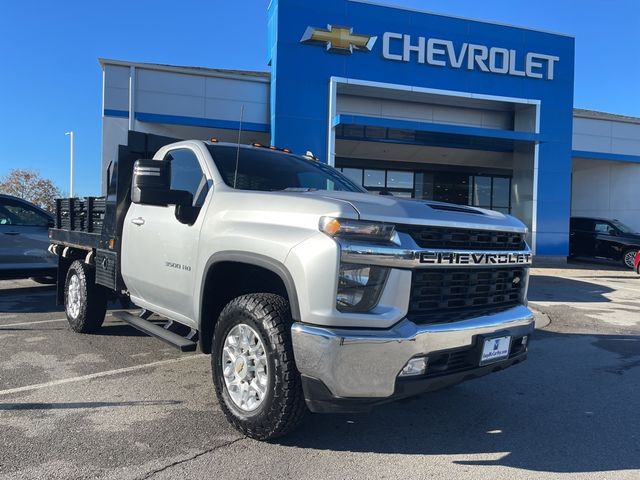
x: 269, y: 171
x: 622, y: 227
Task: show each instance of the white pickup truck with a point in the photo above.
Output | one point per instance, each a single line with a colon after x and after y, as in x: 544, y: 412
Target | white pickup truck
x: 309, y: 293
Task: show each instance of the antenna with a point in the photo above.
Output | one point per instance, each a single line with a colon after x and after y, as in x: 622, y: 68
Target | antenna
x: 235, y: 176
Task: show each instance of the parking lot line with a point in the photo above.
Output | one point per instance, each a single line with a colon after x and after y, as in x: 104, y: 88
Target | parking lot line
x: 21, y: 324
x: 91, y: 376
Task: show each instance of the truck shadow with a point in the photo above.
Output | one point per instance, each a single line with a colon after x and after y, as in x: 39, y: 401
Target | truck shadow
x: 558, y: 289
x: 572, y: 407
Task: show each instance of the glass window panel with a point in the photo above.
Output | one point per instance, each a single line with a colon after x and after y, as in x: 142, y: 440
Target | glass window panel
x: 482, y: 191
x: 353, y: 131
x: 187, y: 175
x: 396, y: 134
x: 501, y: 192
x: 603, y: 227
x: 374, y: 178
x: 376, y: 132
x: 353, y: 174
x: 424, y: 185
x: 22, y: 215
x: 399, y: 179
x: 451, y: 187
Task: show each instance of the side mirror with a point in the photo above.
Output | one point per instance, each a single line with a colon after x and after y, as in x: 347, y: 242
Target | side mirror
x: 151, y: 185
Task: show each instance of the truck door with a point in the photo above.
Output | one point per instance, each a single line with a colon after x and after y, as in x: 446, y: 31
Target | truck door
x: 159, y: 252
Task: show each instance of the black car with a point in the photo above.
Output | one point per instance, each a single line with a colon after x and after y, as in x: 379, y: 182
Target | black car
x: 602, y: 238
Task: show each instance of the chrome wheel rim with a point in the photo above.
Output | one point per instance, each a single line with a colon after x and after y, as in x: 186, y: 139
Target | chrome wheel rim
x: 73, y: 296
x: 244, y: 367
x: 629, y: 258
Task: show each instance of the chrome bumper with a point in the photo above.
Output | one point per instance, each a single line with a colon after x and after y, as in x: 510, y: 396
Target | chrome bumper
x: 366, y: 363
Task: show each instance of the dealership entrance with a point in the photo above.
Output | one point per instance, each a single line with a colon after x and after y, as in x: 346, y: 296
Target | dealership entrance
x: 465, y: 177
x: 454, y: 147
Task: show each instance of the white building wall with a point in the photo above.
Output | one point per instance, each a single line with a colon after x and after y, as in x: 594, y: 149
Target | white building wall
x: 606, y: 189
x: 200, y: 96
x: 423, y: 112
x: 183, y: 103
x: 606, y: 136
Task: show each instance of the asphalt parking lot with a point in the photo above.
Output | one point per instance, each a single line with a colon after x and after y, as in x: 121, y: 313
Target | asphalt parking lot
x: 124, y: 406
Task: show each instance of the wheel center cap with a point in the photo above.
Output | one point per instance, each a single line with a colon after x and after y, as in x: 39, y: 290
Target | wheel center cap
x: 240, y: 367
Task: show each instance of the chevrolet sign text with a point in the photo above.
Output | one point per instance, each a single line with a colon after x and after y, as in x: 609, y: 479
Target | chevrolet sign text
x: 434, y: 51
x: 475, y: 258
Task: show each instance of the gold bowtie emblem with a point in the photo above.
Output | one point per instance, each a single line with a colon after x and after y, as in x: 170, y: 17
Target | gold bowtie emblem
x: 338, y: 39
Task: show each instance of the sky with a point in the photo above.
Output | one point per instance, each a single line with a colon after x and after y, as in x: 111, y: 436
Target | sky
x: 51, y: 82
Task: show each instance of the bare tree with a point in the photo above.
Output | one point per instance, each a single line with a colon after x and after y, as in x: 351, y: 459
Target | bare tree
x: 30, y: 186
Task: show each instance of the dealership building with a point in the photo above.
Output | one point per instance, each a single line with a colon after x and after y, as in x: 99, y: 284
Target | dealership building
x: 424, y: 105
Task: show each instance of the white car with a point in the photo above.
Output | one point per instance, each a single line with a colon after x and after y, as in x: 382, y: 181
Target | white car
x: 24, y: 240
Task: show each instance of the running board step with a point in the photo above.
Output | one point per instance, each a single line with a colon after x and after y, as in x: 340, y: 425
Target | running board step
x: 167, y: 336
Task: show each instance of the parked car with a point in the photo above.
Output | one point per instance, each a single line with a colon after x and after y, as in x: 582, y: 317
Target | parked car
x: 24, y: 241
x: 603, y: 238
x: 636, y: 262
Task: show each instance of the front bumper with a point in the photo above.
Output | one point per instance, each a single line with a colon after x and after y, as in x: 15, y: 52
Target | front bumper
x: 359, y: 363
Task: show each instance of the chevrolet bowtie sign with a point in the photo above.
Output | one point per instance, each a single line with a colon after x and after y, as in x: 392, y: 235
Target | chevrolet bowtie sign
x: 338, y: 39
x: 436, y: 52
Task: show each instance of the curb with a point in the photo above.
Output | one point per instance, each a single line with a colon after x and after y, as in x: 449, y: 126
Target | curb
x: 542, y: 320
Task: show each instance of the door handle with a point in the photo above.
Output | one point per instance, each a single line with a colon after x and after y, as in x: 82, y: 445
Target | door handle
x: 138, y: 221
x: 11, y: 233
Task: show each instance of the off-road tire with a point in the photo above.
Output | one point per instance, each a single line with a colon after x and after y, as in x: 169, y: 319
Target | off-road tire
x: 283, y: 407
x: 93, y: 299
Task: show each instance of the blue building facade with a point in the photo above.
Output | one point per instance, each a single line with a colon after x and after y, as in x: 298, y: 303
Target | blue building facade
x: 319, y: 49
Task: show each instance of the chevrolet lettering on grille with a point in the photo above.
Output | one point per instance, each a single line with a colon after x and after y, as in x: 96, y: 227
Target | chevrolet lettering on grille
x: 475, y: 258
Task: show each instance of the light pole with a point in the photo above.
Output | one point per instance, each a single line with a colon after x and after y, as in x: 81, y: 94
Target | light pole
x: 70, y: 133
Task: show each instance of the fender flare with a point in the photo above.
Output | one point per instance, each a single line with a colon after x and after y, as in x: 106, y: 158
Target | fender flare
x: 257, y: 260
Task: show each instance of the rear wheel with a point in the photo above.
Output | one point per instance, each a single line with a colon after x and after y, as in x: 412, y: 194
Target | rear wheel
x: 629, y: 257
x: 254, y: 374
x: 85, y: 302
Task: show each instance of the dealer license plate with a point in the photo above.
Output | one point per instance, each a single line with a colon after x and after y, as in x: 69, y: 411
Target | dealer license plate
x: 495, y: 349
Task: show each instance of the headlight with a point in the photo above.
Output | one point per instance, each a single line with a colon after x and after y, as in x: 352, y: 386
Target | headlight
x: 357, y: 229
x: 359, y: 287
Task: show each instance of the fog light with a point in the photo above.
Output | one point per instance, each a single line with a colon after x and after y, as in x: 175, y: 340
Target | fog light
x: 525, y: 339
x: 415, y: 366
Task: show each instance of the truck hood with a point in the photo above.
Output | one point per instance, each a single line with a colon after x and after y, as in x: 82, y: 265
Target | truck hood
x: 422, y: 212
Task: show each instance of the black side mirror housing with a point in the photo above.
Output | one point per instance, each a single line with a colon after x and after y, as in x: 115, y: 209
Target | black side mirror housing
x: 151, y: 185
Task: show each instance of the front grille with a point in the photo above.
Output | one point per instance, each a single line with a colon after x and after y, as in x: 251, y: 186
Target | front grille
x: 447, y: 295
x: 463, y: 239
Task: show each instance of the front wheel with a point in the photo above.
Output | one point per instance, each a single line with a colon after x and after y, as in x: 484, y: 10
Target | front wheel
x: 629, y: 257
x: 85, y: 303
x: 254, y: 373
